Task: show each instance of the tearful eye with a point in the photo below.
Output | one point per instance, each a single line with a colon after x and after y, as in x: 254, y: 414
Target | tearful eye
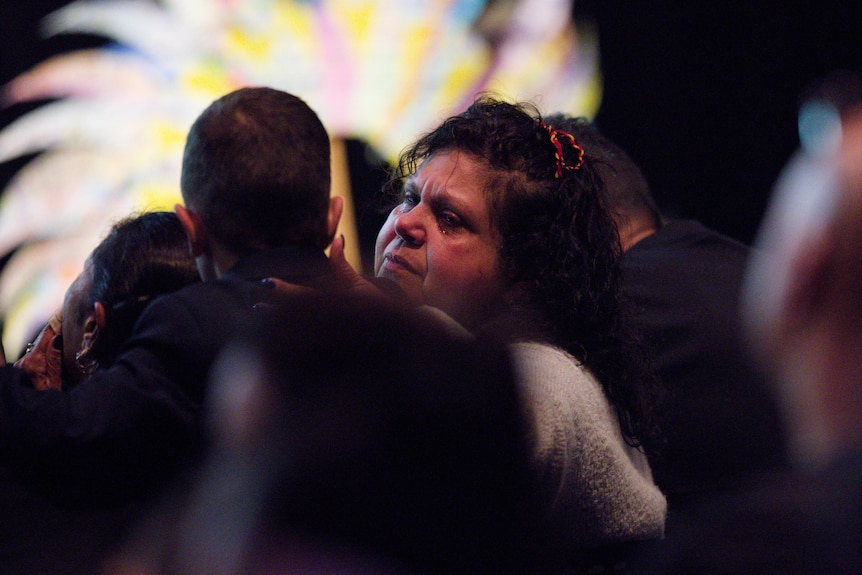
x: 448, y: 221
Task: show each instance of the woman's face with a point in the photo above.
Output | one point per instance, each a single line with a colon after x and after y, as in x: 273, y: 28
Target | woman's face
x: 439, y: 243
x: 74, y: 314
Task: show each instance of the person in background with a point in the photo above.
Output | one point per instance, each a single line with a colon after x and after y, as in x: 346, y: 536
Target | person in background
x: 720, y: 421
x: 802, y: 300
x: 45, y: 527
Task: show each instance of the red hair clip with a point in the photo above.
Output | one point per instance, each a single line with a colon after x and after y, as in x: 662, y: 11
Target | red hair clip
x: 558, y: 149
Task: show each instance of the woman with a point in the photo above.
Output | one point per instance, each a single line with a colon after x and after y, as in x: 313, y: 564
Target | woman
x: 502, y: 221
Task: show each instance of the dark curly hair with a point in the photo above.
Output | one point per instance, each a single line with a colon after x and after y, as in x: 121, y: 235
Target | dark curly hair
x: 559, y: 245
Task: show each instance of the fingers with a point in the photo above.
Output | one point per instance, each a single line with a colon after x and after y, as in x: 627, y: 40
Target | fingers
x: 281, y: 289
x: 343, y: 269
x: 348, y: 281
x: 43, y: 362
x: 336, y: 250
x: 348, y: 277
x: 56, y: 321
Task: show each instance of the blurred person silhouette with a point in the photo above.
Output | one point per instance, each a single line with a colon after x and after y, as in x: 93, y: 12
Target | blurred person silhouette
x: 720, y: 422
x: 46, y: 528
x: 365, y: 439
x: 801, y: 307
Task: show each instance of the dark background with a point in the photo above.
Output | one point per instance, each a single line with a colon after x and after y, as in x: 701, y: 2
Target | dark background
x: 703, y: 94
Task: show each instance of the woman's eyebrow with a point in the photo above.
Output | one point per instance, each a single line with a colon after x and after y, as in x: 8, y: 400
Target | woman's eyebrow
x: 409, y: 185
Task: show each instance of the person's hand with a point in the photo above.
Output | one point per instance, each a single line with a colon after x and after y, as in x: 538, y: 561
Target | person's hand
x: 44, y: 357
x: 280, y: 291
x: 347, y: 279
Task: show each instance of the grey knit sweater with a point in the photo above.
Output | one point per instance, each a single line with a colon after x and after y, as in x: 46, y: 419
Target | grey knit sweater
x: 598, y: 489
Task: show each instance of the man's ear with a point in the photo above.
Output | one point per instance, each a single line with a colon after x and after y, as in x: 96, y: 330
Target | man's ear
x: 194, y: 228
x: 94, y: 326
x: 336, y: 207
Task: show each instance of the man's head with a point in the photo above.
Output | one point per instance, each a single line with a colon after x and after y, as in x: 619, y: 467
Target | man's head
x: 256, y: 174
x: 629, y: 196
x: 803, y: 293
x: 141, y: 258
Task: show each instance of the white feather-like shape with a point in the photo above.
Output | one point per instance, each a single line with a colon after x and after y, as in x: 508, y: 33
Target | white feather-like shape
x: 200, y: 14
x: 566, y: 82
x: 381, y: 71
x: 141, y: 25
x: 56, y: 195
x: 63, y: 191
x: 104, y: 123
x: 119, y: 74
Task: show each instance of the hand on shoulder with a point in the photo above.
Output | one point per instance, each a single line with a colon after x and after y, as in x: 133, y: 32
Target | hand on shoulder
x: 44, y: 357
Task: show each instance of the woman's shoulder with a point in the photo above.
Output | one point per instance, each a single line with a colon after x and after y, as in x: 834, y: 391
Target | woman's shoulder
x: 565, y: 399
x: 580, y: 455
x: 541, y: 363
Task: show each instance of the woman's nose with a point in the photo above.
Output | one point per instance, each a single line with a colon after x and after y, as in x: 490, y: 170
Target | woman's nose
x: 410, y: 225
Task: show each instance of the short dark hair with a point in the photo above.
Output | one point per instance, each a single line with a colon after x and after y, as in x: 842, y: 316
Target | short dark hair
x: 256, y: 170
x: 141, y: 258
x: 629, y: 193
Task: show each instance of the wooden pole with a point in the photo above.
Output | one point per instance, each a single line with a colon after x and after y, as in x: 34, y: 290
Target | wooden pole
x: 341, y: 187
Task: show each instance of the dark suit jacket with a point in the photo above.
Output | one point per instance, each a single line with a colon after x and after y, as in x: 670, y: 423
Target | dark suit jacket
x: 721, y: 421
x: 122, y: 433
x: 39, y: 534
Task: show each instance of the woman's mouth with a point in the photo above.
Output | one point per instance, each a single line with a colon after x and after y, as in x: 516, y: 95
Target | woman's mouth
x: 395, y: 263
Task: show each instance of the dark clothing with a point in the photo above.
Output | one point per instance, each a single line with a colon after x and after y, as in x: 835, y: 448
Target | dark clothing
x: 800, y: 523
x: 721, y: 423
x: 39, y: 535
x: 123, y: 433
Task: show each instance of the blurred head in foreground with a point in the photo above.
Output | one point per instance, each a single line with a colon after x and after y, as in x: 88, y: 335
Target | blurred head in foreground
x: 803, y: 298
x: 365, y: 439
